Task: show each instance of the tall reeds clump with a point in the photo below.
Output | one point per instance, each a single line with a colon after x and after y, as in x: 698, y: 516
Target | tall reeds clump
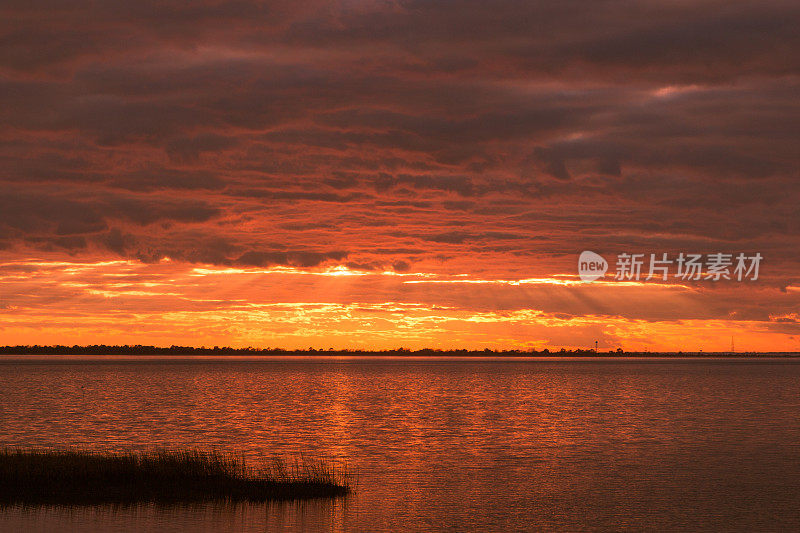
x: 79, y: 476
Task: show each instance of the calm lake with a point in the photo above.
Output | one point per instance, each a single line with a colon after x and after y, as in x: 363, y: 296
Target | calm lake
x: 436, y: 444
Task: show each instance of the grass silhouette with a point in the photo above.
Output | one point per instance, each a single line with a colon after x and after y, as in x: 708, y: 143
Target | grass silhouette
x: 40, y: 476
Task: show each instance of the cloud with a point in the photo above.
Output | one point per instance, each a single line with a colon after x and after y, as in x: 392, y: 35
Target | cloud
x: 294, y: 258
x: 450, y: 138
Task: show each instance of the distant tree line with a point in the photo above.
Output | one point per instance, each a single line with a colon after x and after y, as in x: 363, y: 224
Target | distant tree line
x: 140, y: 349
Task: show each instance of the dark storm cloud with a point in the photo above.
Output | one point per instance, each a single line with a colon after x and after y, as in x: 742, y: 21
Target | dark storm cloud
x: 293, y: 258
x: 319, y: 196
x: 458, y: 237
x: 646, y: 38
x: 154, y: 177
x: 652, y: 40
x: 231, y: 132
x: 43, y: 219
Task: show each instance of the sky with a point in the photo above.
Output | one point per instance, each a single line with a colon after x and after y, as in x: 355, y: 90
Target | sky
x: 381, y: 174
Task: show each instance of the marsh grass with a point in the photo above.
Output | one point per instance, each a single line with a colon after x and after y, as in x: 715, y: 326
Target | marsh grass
x: 169, y: 476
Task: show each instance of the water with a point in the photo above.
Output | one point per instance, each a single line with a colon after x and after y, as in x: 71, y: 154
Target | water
x: 443, y: 445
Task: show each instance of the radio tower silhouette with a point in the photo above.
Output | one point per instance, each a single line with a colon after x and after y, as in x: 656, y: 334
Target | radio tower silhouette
x: 732, y: 349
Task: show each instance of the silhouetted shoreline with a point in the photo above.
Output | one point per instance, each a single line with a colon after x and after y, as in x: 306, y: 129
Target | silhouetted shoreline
x: 103, y: 349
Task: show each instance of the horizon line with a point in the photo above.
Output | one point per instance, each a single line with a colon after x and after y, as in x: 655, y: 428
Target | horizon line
x: 141, y: 349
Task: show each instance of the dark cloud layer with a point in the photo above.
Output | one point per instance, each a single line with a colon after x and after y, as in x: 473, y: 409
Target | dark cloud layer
x: 467, y: 135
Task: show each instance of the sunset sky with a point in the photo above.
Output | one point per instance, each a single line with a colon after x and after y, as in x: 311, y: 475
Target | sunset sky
x: 370, y: 174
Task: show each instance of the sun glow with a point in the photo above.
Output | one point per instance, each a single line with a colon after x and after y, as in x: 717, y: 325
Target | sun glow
x: 337, y: 306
